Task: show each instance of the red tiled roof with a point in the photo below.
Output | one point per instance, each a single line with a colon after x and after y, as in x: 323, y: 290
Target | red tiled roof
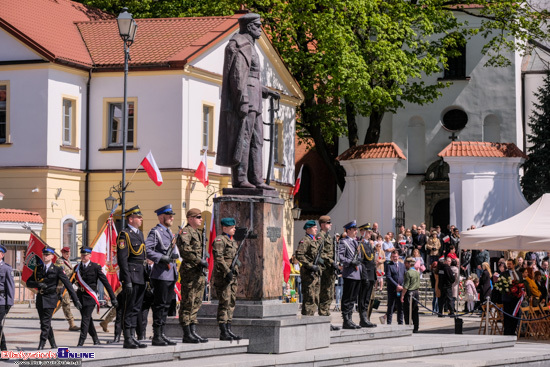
x: 48, y: 27
x: 481, y: 149
x: 157, y: 41
x: 22, y: 216
x: 371, y: 151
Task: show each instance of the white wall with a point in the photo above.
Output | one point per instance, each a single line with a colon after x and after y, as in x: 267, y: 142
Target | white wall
x: 12, y: 49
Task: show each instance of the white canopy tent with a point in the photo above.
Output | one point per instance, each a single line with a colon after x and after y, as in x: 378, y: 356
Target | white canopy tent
x: 525, y: 231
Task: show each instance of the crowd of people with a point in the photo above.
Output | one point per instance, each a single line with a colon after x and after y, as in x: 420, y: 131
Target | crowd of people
x: 366, y: 259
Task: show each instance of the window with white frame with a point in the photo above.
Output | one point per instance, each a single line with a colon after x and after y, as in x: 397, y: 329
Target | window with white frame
x: 4, y: 118
x: 69, y: 122
x: 69, y: 235
x: 207, y: 127
x: 115, y: 121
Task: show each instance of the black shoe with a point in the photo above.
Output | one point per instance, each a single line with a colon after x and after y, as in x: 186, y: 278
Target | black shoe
x: 235, y: 337
x: 128, y: 341
x: 415, y: 331
x: 157, y: 337
x: 137, y: 342
x: 52, y: 343
x: 224, y: 335
x: 81, y: 341
x: 347, y: 324
x: 334, y: 328
x: 96, y: 341
x: 193, y: 330
x: 116, y: 339
x: 41, y: 345
x: 188, y: 336
x: 165, y: 338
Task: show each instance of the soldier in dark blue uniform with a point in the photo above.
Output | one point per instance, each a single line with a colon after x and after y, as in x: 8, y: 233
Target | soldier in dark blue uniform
x: 7, y: 290
x: 163, y: 251
x: 87, y: 275
x: 131, y: 254
x: 45, y: 278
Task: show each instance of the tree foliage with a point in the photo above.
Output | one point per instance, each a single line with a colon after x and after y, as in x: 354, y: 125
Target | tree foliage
x: 365, y: 57
x: 536, y: 178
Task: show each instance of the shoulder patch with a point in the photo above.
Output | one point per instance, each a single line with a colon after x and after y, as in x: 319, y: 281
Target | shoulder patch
x: 302, y: 241
x: 121, y: 244
x: 183, y: 232
x: 219, y: 239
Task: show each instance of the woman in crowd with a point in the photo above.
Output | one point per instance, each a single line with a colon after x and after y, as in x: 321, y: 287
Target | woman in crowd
x: 471, y: 292
x: 532, y: 291
x: 419, y: 264
x: 455, y: 286
x: 496, y: 296
x: 484, y: 287
x: 541, y: 286
x: 295, y: 280
x: 433, y: 247
x: 380, y: 260
x: 433, y: 282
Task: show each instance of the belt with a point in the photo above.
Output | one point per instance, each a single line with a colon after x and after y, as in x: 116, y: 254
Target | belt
x: 254, y: 74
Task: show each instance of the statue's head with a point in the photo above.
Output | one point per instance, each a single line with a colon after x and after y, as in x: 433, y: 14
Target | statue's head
x: 250, y: 23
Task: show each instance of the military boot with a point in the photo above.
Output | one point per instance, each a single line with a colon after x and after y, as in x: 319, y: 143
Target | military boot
x: 72, y: 326
x: 41, y: 344
x: 351, y: 321
x: 157, y: 337
x: 128, y: 341
x: 235, y: 337
x: 365, y: 320
x: 104, y: 325
x: 188, y: 336
x: 81, y: 341
x: 347, y: 324
x: 51, y: 339
x: 136, y: 341
x: 165, y: 338
x: 224, y: 335
x: 334, y: 327
x: 193, y: 330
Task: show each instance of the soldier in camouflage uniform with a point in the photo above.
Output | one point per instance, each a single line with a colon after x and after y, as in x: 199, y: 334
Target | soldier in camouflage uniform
x: 224, y: 249
x: 192, y: 278
x: 310, y: 273
x: 65, y: 263
x: 328, y: 268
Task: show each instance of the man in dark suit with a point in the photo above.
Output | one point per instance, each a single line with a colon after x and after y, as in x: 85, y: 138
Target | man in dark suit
x: 368, y: 276
x: 163, y: 251
x: 509, y: 302
x: 131, y: 254
x: 395, y: 275
x: 148, y: 300
x: 45, y: 278
x: 7, y: 293
x: 87, y: 275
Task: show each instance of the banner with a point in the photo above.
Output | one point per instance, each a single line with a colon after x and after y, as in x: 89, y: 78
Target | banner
x: 210, y: 242
x: 33, y: 256
x: 104, y: 252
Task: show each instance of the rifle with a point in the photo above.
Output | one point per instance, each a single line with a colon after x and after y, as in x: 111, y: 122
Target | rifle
x: 318, y: 256
x: 336, y: 254
x: 204, y: 254
x: 232, y: 267
x: 173, y: 246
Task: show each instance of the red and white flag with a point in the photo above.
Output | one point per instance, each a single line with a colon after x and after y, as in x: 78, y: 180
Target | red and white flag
x: 177, y: 290
x: 152, y: 169
x: 202, y: 171
x: 446, y: 239
x: 297, y: 183
x: 104, y: 252
x: 286, y: 262
x: 33, y: 256
x: 210, y: 242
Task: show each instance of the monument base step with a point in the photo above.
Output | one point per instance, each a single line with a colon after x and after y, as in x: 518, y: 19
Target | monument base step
x: 252, y: 309
x: 268, y: 335
x: 379, y: 332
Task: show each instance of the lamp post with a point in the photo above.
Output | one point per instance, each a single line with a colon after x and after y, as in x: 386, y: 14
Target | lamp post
x: 127, y: 28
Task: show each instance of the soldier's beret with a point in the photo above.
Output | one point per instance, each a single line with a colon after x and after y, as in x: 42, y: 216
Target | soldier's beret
x: 365, y: 226
x: 324, y: 219
x: 167, y: 209
x: 3, y: 249
x: 133, y: 211
x: 309, y: 224
x: 66, y: 249
x: 48, y: 250
x: 351, y: 224
x: 193, y: 212
x: 248, y: 18
x: 410, y: 260
x: 227, y: 222
x: 85, y: 250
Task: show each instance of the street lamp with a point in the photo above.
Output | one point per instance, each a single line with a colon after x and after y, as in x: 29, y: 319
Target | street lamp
x: 127, y: 28
x: 110, y: 203
x: 296, y: 212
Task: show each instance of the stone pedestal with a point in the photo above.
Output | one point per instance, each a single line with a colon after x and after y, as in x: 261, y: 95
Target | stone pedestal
x: 260, y: 316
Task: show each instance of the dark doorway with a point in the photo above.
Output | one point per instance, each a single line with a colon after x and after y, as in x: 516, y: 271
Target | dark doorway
x: 440, y: 214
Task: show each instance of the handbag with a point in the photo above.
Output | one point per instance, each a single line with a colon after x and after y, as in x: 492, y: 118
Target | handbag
x: 375, y: 303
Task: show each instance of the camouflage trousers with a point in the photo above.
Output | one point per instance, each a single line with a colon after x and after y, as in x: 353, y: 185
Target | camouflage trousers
x: 192, y: 291
x: 326, y: 291
x: 66, y: 305
x: 310, y: 292
x: 226, y: 292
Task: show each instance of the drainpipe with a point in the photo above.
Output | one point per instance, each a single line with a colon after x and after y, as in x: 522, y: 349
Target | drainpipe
x: 87, y: 160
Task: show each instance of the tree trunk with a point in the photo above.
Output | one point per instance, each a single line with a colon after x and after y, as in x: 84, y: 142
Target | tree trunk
x: 373, y: 132
x: 353, y: 137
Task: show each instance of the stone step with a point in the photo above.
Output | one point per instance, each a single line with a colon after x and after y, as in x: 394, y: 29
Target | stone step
x: 115, y: 355
x: 372, y: 351
x: 379, y: 332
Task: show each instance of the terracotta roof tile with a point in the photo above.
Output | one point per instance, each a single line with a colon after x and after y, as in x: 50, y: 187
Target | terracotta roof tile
x: 158, y: 41
x: 21, y: 216
x: 48, y: 27
x: 481, y: 149
x: 371, y: 151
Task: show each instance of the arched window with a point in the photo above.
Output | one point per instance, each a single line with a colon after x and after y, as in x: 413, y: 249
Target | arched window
x: 416, y: 146
x: 69, y: 235
x: 491, y: 129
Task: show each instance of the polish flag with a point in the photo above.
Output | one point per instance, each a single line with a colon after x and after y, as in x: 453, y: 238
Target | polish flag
x: 446, y: 239
x: 210, y: 243
x: 297, y: 183
x: 202, y: 171
x: 104, y: 252
x: 152, y: 169
x: 286, y: 262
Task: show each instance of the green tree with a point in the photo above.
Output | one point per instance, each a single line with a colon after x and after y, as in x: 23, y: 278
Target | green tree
x: 536, y: 177
x: 364, y: 57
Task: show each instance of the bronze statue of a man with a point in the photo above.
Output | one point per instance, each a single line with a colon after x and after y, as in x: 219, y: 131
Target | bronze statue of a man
x: 240, y: 138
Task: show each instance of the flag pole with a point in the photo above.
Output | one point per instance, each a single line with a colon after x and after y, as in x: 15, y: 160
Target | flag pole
x: 131, y: 178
